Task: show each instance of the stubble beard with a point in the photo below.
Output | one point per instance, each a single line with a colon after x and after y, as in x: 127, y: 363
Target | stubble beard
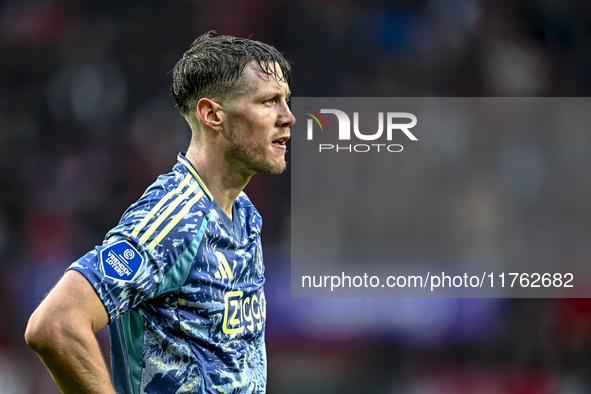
x: 253, y: 157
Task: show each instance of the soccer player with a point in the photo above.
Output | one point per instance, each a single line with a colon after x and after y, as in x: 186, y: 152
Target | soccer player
x: 180, y: 278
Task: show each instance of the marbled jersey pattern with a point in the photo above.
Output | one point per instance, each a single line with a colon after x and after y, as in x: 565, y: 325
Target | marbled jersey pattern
x: 184, y: 292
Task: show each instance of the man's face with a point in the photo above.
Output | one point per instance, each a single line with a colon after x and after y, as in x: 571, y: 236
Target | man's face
x: 258, y: 123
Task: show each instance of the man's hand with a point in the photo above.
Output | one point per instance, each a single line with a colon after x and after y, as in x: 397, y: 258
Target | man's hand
x: 61, y: 331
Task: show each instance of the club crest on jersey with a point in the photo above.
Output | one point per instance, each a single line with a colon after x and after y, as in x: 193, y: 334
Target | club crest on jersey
x: 120, y: 261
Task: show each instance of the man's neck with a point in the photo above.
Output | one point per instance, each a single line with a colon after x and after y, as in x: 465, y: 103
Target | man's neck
x: 223, y: 182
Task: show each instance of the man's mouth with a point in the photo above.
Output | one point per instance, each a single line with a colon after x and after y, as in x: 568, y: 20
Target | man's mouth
x: 281, y: 141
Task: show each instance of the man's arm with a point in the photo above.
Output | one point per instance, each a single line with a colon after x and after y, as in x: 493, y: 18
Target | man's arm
x: 61, y: 331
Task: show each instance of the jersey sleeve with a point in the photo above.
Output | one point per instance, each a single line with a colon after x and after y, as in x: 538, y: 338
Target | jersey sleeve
x: 123, y: 273
x: 161, y: 230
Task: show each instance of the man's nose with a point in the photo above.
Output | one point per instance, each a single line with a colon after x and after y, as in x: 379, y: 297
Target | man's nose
x: 286, y: 119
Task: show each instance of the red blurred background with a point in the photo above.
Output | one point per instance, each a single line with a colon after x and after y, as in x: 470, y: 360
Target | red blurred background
x: 87, y: 122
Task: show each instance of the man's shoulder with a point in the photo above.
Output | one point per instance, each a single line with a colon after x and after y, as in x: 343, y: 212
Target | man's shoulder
x: 176, y: 188
x: 174, y: 205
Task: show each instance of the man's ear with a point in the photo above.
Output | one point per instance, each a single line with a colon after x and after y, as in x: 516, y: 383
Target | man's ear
x: 209, y: 113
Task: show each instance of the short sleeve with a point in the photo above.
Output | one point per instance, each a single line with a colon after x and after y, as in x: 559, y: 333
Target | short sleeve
x: 151, y: 238
x: 123, y: 273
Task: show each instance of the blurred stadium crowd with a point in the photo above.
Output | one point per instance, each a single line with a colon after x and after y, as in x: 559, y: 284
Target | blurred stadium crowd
x: 87, y: 122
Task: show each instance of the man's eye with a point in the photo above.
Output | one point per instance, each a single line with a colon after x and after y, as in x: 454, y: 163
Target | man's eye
x: 270, y: 101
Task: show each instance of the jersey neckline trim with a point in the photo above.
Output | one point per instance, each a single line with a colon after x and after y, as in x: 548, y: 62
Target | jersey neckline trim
x: 183, y: 160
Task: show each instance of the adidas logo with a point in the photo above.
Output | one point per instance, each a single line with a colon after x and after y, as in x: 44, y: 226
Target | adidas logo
x: 224, y: 271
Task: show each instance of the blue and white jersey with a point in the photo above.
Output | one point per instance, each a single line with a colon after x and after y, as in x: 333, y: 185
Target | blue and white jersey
x: 183, y: 286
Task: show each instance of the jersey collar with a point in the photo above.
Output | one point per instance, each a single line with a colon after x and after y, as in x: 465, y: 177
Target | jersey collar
x: 184, y: 161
